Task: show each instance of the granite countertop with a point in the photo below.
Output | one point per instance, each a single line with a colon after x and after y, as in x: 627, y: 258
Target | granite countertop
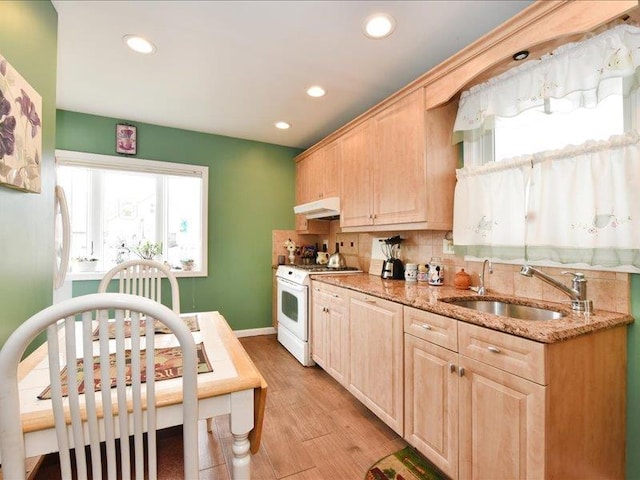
x: 434, y: 299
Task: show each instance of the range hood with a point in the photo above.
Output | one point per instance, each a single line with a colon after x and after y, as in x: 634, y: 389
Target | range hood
x: 323, y: 208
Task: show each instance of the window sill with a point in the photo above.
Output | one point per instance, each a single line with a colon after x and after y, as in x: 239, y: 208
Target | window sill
x: 81, y: 276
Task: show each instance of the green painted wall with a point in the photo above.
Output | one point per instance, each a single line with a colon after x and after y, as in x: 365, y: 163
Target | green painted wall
x: 251, y: 193
x: 633, y: 385
x: 28, y: 40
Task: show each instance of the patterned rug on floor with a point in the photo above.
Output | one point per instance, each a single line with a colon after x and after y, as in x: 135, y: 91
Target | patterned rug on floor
x: 405, y: 464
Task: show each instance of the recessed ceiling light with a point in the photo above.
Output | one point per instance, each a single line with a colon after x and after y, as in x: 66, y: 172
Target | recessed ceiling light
x: 379, y: 26
x: 316, y: 91
x: 283, y: 125
x: 139, y: 44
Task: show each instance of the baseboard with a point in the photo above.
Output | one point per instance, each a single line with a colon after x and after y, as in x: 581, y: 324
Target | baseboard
x: 254, y: 332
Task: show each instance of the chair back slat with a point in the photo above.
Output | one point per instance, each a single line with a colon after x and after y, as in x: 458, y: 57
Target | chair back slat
x: 53, y: 349
x: 136, y: 375
x: 73, y: 395
x: 121, y: 392
x: 105, y: 394
x: 151, y: 398
x: 127, y: 410
x: 90, y: 393
x: 143, y: 278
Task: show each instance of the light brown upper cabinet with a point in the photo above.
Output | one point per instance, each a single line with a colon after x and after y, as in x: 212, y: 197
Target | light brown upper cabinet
x: 317, y: 177
x: 398, y: 168
x: 318, y: 174
x: 357, y: 176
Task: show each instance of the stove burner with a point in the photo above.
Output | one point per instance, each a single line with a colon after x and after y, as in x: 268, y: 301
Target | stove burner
x: 323, y: 268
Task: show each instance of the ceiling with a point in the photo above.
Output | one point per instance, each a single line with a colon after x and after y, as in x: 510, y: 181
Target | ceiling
x: 236, y: 67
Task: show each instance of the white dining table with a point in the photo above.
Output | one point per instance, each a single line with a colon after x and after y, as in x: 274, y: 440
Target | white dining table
x: 234, y: 387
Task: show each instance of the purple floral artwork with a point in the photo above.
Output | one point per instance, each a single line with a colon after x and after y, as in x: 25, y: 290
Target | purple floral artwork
x: 20, y: 131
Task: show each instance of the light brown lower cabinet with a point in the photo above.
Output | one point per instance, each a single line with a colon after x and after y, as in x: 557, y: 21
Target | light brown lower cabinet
x: 376, y: 356
x: 497, y: 406
x: 330, y: 330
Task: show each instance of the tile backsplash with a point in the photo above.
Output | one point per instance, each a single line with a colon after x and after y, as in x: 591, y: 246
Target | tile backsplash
x: 607, y: 290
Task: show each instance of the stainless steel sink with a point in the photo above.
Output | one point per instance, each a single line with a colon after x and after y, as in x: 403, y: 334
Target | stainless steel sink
x: 505, y: 309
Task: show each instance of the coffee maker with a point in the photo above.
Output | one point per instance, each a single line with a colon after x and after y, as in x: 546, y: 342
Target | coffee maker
x: 392, y: 267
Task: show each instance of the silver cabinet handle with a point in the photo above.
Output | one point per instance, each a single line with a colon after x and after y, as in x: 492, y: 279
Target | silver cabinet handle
x: 336, y: 295
x: 452, y: 368
x: 369, y: 300
x: 461, y: 371
x: 494, y: 349
x: 425, y: 326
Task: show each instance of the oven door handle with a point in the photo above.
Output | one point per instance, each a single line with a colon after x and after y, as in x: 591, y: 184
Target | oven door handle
x: 291, y: 286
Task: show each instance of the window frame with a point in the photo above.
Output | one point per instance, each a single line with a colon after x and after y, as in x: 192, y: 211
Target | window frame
x: 116, y: 163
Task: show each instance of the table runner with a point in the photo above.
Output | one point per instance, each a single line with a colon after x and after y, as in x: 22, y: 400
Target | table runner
x: 168, y: 363
x: 190, y: 321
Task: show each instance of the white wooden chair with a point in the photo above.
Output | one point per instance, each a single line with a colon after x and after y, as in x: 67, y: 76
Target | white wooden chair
x: 144, y: 278
x: 70, y: 327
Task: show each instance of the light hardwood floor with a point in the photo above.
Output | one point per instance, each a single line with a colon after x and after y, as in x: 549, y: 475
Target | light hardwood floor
x: 314, y: 429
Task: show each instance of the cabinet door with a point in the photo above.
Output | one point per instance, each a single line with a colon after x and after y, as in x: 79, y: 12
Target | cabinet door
x: 376, y: 373
x: 311, y: 227
x: 331, y: 170
x: 502, y: 421
x: 338, y: 344
x: 357, y: 175
x: 400, y: 162
x: 303, y: 180
x: 431, y: 402
x: 318, y: 324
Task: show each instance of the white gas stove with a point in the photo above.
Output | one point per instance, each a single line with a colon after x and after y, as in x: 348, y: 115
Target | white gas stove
x: 300, y: 273
x: 294, y: 306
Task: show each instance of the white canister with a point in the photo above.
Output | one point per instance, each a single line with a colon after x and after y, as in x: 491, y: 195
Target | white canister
x: 436, y: 271
x: 411, y: 272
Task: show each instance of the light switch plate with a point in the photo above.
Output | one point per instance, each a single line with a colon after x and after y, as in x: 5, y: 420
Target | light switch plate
x: 447, y: 247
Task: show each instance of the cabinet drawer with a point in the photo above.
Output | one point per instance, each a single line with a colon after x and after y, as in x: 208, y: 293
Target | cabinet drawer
x: 512, y: 354
x: 432, y: 327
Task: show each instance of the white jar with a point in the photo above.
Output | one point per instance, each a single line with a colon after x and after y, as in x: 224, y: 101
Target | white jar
x: 423, y: 272
x: 436, y: 271
x: 411, y: 272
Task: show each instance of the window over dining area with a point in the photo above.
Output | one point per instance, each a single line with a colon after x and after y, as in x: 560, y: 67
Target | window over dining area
x: 127, y: 208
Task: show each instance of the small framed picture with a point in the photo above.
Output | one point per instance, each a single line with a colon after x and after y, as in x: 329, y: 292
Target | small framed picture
x: 126, y: 140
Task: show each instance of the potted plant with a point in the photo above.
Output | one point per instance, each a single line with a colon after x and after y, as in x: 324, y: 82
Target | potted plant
x: 146, y: 249
x: 187, y: 264
x: 85, y: 264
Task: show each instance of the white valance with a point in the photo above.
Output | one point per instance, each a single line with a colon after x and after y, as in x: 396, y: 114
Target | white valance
x: 580, y: 204
x: 579, y: 73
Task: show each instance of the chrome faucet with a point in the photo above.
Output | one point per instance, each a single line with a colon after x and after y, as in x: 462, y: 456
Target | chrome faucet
x: 577, y: 292
x: 480, y: 288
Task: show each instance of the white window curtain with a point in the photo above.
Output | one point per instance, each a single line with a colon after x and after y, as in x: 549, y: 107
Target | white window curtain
x: 584, y: 204
x: 580, y: 204
x: 577, y: 72
x: 489, y: 218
